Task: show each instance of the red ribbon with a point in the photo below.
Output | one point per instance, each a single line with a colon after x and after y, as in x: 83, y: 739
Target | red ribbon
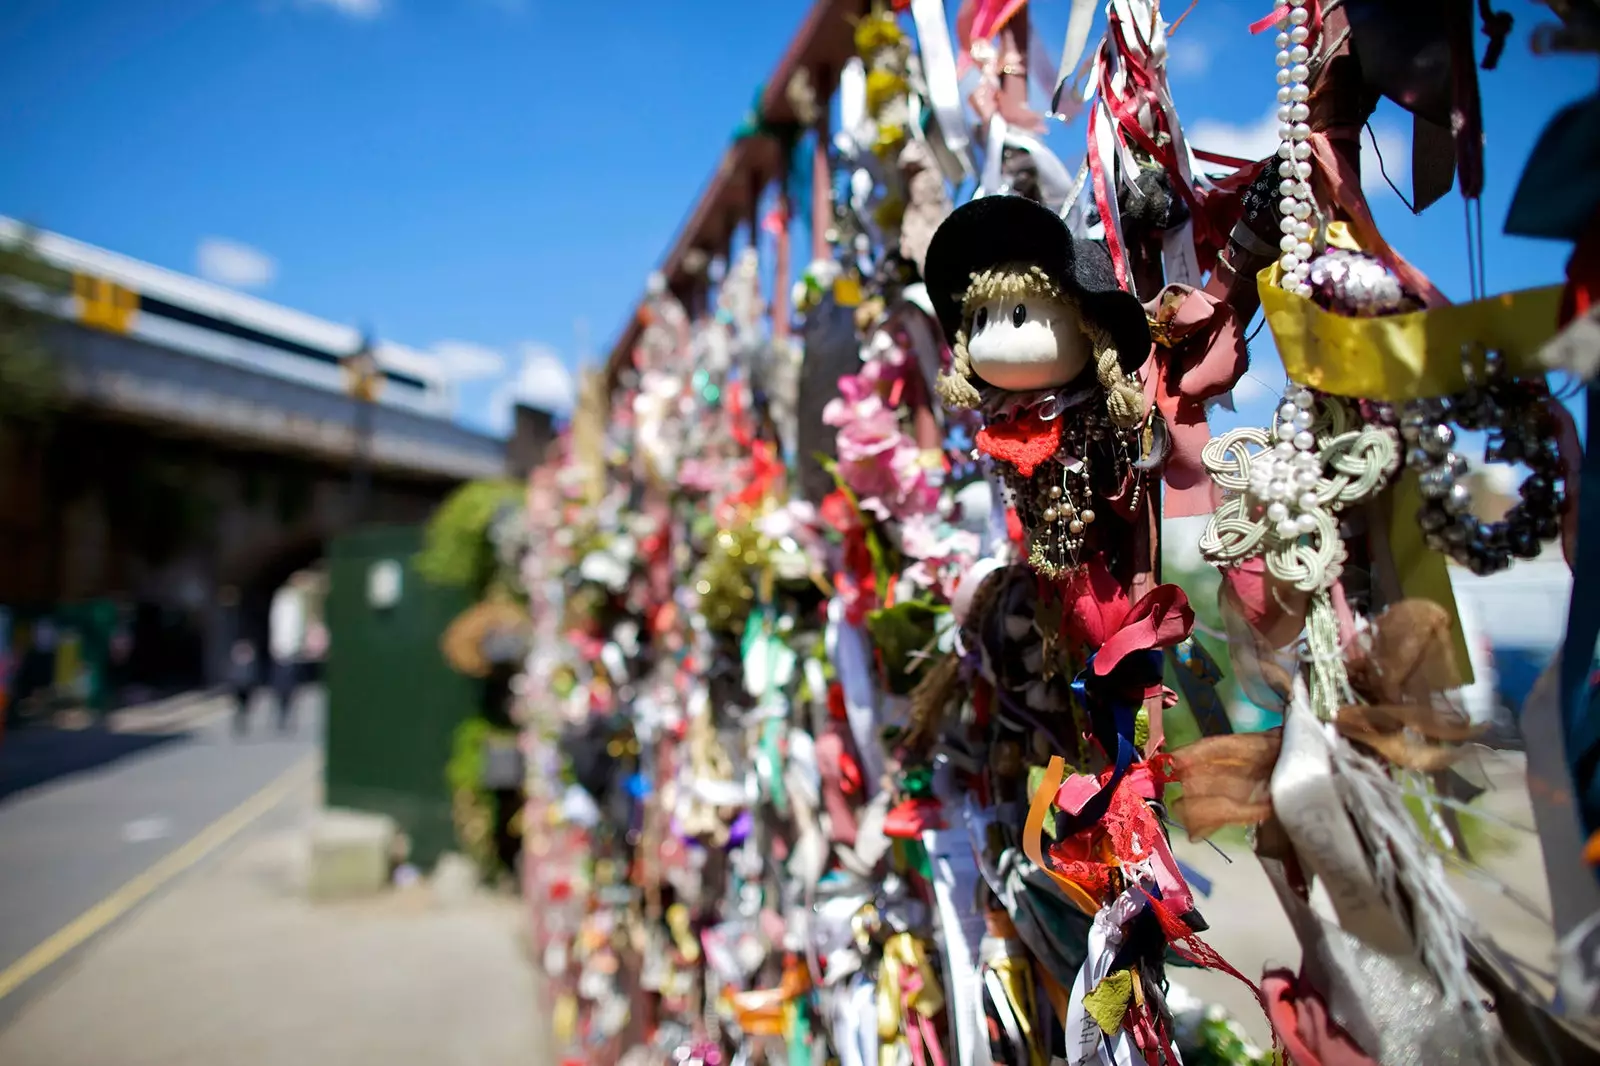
x: 1143, y: 92
x: 1102, y: 202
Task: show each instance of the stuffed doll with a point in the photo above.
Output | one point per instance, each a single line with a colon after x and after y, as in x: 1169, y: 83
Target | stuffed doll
x: 1045, y: 345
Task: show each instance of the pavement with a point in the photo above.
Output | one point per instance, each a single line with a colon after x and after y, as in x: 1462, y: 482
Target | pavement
x: 154, y: 908
x: 84, y: 812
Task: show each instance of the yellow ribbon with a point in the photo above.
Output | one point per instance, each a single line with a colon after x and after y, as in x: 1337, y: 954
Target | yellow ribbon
x: 1016, y: 979
x: 1033, y: 831
x: 1421, y: 572
x: 1395, y: 358
x: 682, y: 935
x: 903, y: 951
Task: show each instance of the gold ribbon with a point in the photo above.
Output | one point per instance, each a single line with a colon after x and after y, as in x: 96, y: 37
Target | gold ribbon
x: 1014, y: 974
x: 682, y: 936
x: 1395, y: 358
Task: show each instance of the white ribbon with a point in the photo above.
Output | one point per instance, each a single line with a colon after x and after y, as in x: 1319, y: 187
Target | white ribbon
x: 961, y: 928
x: 1078, y: 24
x: 853, y: 119
x: 855, y: 1023
x: 939, y: 71
x: 993, y: 155
x: 1087, y: 1043
x: 1307, y: 802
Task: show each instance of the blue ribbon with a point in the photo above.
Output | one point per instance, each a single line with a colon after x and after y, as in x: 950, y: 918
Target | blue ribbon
x: 1123, y: 714
x: 1580, y: 725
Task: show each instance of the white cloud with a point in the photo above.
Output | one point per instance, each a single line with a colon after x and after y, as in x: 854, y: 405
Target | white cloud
x: 465, y: 361
x: 231, y: 263
x: 356, y: 9
x: 542, y: 381
x: 1258, y: 140
x: 1188, y: 57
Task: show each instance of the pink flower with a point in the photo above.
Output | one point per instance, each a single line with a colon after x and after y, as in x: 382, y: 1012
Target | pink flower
x: 914, y: 491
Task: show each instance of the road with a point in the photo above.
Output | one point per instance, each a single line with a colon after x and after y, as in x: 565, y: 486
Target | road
x: 91, y: 820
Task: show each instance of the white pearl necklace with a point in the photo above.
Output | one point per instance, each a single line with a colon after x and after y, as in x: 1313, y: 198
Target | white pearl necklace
x: 1284, y: 480
x: 1294, y: 150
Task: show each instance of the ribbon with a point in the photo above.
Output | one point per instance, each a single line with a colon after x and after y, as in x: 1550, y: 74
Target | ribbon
x: 1078, y: 23
x: 1086, y: 1041
x: 1199, y: 354
x: 1309, y: 806
x: 909, y: 998
x: 1580, y: 725
x: 1101, y: 148
x: 1281, y: 12
x: 1402, y: 357
x: 849, y: 650
x: 940, y: 73
x: 961, y: 927
x: 1033, y: 831
x: 1387, y: 1003
x: 1008, y: 980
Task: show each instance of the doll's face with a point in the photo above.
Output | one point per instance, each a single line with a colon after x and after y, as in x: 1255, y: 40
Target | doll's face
x: 1028, y: 342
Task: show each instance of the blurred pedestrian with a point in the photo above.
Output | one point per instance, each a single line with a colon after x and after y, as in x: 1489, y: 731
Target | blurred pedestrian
x: 286, y: 623
x: 242, y: 682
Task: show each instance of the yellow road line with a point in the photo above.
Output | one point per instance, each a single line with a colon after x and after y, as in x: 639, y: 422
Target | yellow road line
x: 129, y: 895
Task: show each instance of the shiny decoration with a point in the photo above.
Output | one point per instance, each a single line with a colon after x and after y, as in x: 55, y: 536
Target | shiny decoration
x: 1521, y: 428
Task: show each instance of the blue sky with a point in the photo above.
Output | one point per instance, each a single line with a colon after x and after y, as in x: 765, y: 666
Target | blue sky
x: 494, y: 179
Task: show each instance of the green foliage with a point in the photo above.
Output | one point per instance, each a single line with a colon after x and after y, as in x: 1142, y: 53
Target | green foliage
x: 456, y: 548
x: 30, y: 386
x: 900, y: 633
x: 473, y: 808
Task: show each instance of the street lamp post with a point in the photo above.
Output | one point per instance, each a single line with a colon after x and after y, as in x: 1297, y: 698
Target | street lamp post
x: 363, y: 380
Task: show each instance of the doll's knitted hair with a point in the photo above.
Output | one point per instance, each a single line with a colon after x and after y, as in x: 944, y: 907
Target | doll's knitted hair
x: 1124, y: 397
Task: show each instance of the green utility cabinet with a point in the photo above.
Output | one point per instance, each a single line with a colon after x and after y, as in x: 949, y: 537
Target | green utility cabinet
x: 393, y: 701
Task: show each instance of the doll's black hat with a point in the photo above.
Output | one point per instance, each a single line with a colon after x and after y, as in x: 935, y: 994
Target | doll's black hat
x: 992, y: 230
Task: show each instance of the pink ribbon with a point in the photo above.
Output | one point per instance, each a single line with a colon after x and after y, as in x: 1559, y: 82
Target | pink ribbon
x: 1203, y: 356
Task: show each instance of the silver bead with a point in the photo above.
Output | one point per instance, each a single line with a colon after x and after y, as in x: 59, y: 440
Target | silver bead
x: 1437, y: 439
x: 1458, y: 499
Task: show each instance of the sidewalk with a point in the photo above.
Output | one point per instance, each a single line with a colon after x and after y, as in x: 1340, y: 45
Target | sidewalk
x: 231, y: 965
